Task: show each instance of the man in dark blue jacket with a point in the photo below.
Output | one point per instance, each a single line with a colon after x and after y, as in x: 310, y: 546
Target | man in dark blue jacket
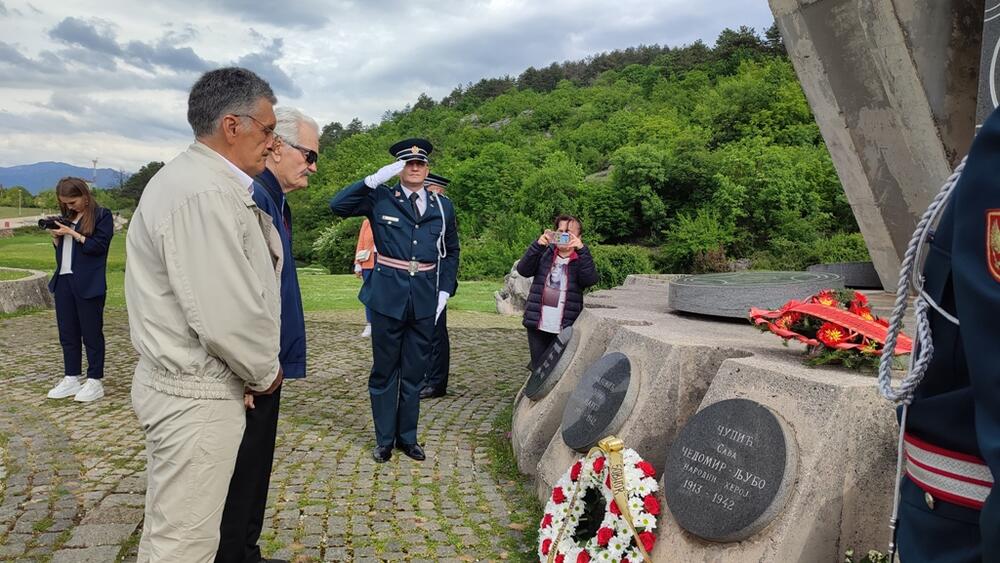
x: 415, y: 274
x: 948, y: 512
x: 288, y: 168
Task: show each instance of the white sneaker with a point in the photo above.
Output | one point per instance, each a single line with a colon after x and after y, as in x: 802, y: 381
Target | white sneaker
x: 67, y: 387
x: 92, y: 390
x: 367, y: 331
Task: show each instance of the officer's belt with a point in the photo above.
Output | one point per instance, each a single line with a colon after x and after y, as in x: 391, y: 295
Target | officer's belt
x: 948, y: 475
x: 411, y: 266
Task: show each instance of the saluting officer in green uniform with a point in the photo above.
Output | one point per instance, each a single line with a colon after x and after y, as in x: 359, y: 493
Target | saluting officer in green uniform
x: 415, y: 274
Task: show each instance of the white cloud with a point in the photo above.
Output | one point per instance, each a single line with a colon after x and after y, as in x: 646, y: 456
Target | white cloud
x: 109, y: 78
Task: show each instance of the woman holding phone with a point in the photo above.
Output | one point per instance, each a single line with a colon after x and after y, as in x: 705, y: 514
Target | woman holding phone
x: 561, y: 267
x: 81, y: 242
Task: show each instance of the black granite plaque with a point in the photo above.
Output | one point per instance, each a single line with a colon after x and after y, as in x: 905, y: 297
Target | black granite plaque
x: 598, y: 404
x: 729, y: 471
x: 547, y: 374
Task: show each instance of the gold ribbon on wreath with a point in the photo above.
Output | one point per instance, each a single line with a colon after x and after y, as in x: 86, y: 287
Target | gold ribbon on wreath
x: 611, y: 447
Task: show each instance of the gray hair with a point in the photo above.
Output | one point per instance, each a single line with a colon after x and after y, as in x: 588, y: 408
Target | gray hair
x: 289, y: 119
x: 223, y: 91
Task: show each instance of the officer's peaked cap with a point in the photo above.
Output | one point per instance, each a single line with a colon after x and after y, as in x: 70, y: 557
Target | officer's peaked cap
x: 434, y: 179
x: 411, y: 149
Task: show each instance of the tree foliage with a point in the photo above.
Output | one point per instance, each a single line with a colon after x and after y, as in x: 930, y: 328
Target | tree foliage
x: 695, y: 156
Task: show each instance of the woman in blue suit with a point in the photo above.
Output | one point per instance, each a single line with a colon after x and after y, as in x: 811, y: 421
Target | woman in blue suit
x: 80, y: 286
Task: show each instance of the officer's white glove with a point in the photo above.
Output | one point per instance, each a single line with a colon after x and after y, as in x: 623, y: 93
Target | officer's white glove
x: 385, y: 174
x: 442, y: 301
x: 357, y: 268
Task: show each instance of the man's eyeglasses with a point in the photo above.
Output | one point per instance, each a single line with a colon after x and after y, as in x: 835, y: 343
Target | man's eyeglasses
x: 311, y: 155
x: 268, y: 131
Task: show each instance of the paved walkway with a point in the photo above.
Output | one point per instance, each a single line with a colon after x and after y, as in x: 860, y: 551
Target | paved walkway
x: 72, y: 475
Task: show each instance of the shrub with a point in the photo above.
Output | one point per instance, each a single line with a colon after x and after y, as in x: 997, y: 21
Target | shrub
x: 692, y: 235
x: 491, y: 255
x: 334, y: 248
x: 615, y: 262
x: 784, y: 254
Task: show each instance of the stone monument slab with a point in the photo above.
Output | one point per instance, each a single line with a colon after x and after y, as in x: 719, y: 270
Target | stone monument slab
x: 535, y: 422
x: 32, y: 290
x: 553, y: 365
x: 840, y: 496
x: 858, y: 275
x: 732, y: 294
x: 598, y: 404
x: 727, y: 474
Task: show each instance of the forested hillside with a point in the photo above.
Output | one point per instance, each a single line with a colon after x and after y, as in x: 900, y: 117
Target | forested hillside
x: 677, y: 160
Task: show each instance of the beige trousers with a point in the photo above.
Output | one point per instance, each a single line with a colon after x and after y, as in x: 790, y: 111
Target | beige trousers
x: 191, y: 447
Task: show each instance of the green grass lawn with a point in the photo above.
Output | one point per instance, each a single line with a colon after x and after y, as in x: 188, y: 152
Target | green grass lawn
x: 320, y: 291
x: 11, y: 212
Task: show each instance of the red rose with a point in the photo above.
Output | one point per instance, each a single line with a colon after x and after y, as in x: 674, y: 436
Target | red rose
x: 607, y: 480
x: 604, y: 535
x: 646, y: 468
x: 651, y: 504
x: 584, y: 557
x: 648, y: 539
x: 574, y: 472
x: 613, y: 508
x: 598, y: 464
x: 546, y: 545
x: 557, y: 495
x: 624, y: 559
x: 560, y: 558
x: 546, y: 520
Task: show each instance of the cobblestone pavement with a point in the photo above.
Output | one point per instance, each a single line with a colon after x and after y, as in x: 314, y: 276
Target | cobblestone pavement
x: 72, y: 475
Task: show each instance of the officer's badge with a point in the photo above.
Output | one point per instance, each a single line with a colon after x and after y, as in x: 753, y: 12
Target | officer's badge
x: 993, y: 242
x: 414, y: 149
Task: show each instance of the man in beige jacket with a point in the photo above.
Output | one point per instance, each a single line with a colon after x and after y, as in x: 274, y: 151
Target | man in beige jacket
x: 201, y: 284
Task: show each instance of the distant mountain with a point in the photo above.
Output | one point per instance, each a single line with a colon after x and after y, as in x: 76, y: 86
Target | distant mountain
x: 43, y: 176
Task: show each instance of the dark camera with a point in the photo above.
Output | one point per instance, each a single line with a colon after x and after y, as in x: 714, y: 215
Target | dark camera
x: 51, y: 223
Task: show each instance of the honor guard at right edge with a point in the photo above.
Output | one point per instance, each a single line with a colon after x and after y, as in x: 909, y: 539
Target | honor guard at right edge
x: 950, y: 427
x: 436, y: 381
x: 415, y: 274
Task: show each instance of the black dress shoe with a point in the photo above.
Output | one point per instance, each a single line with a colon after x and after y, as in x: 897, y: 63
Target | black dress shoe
x: 414, y: 451
x: 430, y: 393
x: 381, y: 454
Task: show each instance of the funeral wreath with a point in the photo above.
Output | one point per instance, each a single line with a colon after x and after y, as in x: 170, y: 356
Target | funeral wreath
x: 837, y: 327
x: 584, y: 518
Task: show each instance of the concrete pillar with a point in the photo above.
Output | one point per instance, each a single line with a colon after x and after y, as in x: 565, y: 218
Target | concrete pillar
x: 893, y: 87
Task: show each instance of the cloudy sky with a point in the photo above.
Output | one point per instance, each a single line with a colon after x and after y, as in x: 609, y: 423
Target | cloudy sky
x: 108, y: 79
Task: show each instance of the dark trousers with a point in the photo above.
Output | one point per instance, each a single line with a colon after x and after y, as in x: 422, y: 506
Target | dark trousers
x: 538, y: 342
x: 437, y: 372
x: 243, y: 516
x: 79, y: 320
x: 400, y: 354
x: 365, y: 274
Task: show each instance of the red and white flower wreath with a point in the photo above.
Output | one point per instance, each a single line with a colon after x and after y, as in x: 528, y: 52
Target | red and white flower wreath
x: 614, y: 541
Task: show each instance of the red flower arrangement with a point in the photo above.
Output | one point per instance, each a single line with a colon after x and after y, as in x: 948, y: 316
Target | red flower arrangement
x: 837, y: 327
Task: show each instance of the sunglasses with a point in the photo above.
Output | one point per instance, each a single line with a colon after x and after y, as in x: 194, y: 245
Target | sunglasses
x: 311, y: 155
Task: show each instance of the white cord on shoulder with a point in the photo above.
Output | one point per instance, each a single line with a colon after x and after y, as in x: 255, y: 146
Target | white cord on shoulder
x: 910, y: 275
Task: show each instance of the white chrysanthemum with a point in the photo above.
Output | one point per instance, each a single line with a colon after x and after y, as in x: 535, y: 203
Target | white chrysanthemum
x: 645, y: 521
x: 634, y: 505
x: 650, y: 484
